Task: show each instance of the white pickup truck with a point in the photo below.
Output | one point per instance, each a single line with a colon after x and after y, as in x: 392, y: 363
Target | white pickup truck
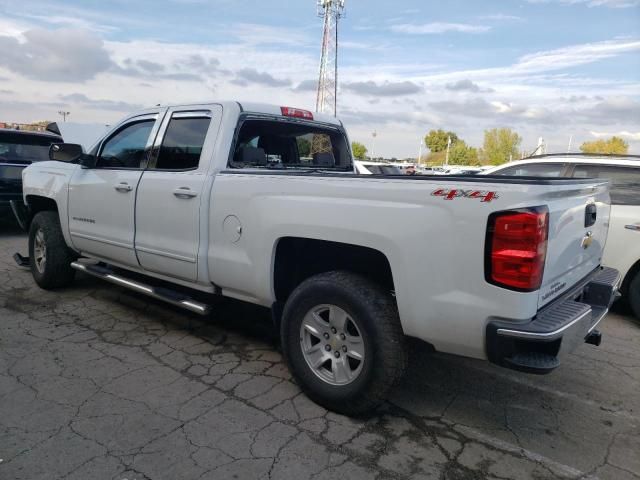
x: 262, y: 204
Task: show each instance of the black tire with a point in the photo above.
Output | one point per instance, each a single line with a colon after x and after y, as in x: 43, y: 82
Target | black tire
x: 375, y: 312
x: 634, y: 295
x: 56, y: 271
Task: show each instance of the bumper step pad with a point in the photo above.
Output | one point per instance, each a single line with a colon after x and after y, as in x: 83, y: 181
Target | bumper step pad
x: 536, y: 346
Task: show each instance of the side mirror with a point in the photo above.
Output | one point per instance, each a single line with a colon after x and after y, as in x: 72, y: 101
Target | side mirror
x: 65, y: 152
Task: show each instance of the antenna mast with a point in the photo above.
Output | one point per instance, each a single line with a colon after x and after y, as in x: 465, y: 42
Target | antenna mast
x: 331, y: 11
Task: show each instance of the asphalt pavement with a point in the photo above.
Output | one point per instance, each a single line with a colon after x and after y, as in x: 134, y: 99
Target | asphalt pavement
x: 97, y: 382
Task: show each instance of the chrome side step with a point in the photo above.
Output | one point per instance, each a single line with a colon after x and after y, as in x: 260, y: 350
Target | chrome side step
x: 164, y: 294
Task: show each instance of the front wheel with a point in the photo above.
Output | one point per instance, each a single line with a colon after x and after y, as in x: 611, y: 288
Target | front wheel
x: 342, y: 339
x: 50, y: 258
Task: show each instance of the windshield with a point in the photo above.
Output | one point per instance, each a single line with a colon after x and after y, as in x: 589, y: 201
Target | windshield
x: 25, y: 148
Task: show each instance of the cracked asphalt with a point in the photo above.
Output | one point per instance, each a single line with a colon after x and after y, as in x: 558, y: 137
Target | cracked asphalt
x: 100, y: 383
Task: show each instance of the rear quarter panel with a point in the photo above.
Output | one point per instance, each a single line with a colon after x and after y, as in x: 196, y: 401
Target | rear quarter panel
x: 435, y: 247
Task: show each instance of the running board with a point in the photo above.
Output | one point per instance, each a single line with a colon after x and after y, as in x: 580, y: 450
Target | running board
x: 160, y: 293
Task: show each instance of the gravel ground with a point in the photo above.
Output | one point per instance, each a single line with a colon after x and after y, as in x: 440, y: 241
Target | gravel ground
x: 100, y: 383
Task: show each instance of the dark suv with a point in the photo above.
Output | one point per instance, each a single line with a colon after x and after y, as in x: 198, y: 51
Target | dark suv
x: 19, y: 148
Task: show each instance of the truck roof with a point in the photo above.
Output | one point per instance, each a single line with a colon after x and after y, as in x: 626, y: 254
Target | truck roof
x: 262, y: 108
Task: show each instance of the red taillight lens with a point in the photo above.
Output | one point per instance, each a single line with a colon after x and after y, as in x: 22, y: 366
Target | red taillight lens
x: 296, y: 113
x: 517, y: 248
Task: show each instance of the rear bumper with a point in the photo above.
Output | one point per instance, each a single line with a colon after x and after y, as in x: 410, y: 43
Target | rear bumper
x: 538, y: 345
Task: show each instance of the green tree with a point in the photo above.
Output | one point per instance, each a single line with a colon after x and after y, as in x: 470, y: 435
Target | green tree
x: 359, y: 150
x: 437, y: 140
x: 500, y: 145
x: 462, y: 154
x: 304, y: 146
x: 614, y: 145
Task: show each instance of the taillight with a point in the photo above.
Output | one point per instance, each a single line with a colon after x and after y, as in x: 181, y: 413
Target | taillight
x: 296, y: 113
x: 516, y: 248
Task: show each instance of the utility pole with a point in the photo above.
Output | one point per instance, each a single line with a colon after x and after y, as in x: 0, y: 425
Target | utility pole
x: 420, y: 151
x: 570, y: 142
x: 64, y: 115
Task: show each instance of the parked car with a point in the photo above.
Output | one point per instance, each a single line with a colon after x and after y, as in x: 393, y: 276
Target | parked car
x: 186, y: 195
x: 376, y: 168
x: 622, y: 251
x: 19, y: 148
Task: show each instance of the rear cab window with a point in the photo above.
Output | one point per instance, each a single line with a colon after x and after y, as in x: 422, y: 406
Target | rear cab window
x: 278, y: 144
x: 625, y: 181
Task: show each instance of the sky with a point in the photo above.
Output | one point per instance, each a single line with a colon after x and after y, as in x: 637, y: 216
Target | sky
x: 556, y: 69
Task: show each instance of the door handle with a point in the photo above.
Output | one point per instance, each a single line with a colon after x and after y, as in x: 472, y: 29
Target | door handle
x: 635, y: 227
x: 184, y: 193
x: 123, y: 187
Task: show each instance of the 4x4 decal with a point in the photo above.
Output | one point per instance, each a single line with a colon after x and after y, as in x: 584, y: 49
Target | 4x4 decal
x: 450, y: 194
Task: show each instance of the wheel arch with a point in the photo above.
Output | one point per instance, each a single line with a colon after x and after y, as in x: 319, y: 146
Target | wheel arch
x: 36, y: 204
x: 298, y: 258
x: 631, y: 273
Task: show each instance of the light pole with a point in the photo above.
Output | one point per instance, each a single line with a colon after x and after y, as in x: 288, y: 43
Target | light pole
x: 64, y: 115
x: 420, y: 151
x: 373, y: 146
x: 446, y: 159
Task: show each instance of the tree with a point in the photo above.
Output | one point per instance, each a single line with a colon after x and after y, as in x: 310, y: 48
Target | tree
x: 500, y: 145
x: 304, y: 146
x: 462, y: 154
x: 359, y: 150
x: 437, y: 140
x: 614, y: 145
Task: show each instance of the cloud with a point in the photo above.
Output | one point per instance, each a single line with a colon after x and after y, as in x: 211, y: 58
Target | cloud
x: 594, y: 3
x: 99, y: 104
x: 64, y: 55
x: 467, y: 85
x: 575, y: 55
x: 438, y: 27
x: 386, y: 89
x: 502, y: 17
x: 306, y: 86
x: 624, y: 133
x: 247, y: 76
x: 151, y: 67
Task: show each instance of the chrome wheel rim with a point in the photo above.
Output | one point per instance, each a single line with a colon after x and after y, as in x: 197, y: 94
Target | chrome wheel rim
x: 40, y: 251
x: 332, y: 344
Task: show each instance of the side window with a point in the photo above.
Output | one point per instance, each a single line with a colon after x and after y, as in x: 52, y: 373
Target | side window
x: 625, y: 181
x: 534, y: 170
x: 182, y: 143
x: 127, y: 147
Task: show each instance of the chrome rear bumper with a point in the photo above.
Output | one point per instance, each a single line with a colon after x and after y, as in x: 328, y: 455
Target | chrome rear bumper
x: 538, y: 345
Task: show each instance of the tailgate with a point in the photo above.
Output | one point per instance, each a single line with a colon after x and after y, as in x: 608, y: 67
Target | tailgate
x: 578, y: 226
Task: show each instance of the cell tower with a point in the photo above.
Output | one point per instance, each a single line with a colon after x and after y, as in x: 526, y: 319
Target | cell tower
x: 331, y: 11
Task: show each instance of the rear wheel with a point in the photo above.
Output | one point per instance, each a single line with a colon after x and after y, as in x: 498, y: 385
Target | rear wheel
x: 50, y: 258
x: 342, y: 338
x: 634, y: 295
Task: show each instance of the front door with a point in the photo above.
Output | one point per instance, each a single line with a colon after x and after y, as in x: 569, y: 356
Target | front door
x: 171, y: 195
x: 102, y: 199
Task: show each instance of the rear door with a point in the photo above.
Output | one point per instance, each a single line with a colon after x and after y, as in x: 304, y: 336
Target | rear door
x: 172, y: 192
x: 623, y: 243
x: 102, y: 199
